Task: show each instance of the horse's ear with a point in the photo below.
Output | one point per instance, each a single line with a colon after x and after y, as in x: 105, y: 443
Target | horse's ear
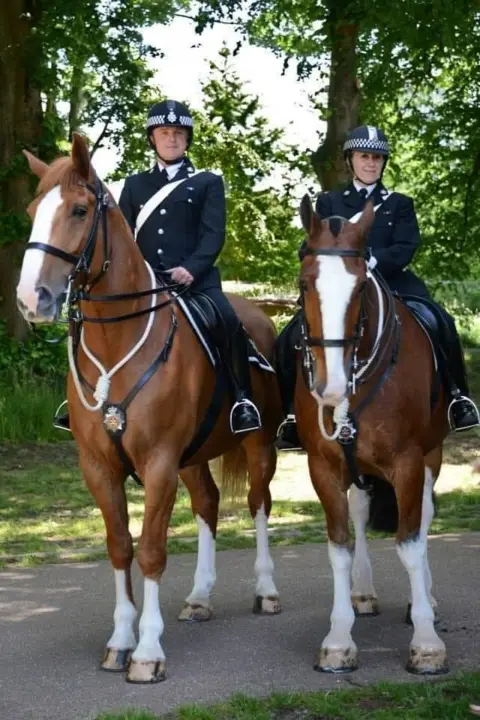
x: 366, y: 219
x: 80, y: 155
x: 38, y: 167
x: 306, y: 213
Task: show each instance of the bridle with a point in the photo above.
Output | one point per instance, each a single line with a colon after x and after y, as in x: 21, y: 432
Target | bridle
x: 308, y: 341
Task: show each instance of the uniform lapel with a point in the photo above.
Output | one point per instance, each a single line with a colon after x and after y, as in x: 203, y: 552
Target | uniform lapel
x: 155, y: 178
x: 351, y: 198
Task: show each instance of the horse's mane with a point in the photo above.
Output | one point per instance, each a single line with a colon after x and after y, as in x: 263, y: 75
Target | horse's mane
x: 61, y: 172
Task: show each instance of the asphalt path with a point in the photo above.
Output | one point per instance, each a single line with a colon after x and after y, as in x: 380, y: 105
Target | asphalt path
x: 55, y: 620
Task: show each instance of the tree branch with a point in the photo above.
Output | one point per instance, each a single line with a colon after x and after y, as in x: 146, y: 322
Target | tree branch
x: 97, y: 142
x: 214, y: 22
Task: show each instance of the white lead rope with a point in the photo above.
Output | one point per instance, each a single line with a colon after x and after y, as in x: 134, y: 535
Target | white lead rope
x: 103, y: 383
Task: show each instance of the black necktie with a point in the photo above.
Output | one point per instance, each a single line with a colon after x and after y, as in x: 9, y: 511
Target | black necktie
x: 164, y: 175
x: 363, y: 193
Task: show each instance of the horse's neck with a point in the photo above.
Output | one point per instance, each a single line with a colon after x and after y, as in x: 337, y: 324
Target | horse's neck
x: 127, y: 273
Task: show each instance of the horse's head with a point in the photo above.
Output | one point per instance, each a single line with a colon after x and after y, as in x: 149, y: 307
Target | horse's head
x: 332, y: 279
x: 62, y: 242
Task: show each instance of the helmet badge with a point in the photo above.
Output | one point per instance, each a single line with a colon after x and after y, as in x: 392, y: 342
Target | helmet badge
x: 171, y: 117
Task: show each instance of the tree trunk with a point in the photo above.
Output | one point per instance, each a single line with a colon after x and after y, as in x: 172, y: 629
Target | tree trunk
x: 20, y: 127
x: 343, y: 100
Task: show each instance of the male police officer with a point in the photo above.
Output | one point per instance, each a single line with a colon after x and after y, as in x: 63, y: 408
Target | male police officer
x: 393, y: 239
x: 182, y: 230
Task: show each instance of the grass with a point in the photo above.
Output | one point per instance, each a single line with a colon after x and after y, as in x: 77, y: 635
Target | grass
x: 445, y: 700
x: 48, y: 515
x: 27, y: 410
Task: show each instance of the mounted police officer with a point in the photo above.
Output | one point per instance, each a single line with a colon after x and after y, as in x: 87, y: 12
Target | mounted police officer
x: 181, y: 231
x: 393, y: 239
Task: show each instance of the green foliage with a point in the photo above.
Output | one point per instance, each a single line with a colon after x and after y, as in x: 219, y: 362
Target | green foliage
x: 39, y: 356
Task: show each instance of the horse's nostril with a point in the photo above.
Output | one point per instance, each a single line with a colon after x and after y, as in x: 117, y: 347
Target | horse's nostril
x: 45, y: 297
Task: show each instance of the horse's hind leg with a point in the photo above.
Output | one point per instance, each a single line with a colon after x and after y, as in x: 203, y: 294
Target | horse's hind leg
x: 415, y: 513
x: 262, y: 462
x: 107, y: 485
x: 364, y: 597
x: 204, y: 497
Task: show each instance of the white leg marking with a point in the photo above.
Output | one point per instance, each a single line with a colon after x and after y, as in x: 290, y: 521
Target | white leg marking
x: 427, y: 517
x: 334, y: 286
x: 151, y: 626
x: 342, y: 617
x: 413, y: 555
x: 264, y: 566
x: 362, y: 576
x: 123, y: 637
x: 33, y: 260
x: 205, y: 574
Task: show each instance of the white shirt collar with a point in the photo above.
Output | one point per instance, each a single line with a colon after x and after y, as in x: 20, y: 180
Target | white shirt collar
x: 171, y: 169
x: 368, y: 188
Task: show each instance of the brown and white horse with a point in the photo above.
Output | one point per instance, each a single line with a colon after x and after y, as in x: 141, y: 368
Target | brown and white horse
x: 363, y: 403
x: 73, y: 246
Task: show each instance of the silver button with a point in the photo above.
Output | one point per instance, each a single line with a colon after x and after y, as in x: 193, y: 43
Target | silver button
x: 159, y: 251
x: 160, y: 231
x: 190, y: 200
x: 390, y: 223
x: 141, y: 206
x: 347, y: 192
x: 163, y: 211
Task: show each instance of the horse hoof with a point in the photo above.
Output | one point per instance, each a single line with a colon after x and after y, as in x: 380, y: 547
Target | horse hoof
x: 146, y: 672
x: 336, y: 660
x: 408, y: 616
x: 116, y: 660
x: 427, y: 662
x: 268, y: 605
x: 195, y: 613
x: 365, y: 605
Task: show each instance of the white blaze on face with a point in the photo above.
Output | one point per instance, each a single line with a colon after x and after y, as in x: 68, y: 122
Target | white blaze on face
x: 334, y: 286
x: 34, y: 259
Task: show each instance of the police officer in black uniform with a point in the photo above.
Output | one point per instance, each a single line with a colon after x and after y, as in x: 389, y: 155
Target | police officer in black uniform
x: 393, y: 240
x: 184, y: 235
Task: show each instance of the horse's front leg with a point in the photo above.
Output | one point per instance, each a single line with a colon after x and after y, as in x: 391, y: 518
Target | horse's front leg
x: 107, y: 485
x: 364, y: 597
x: 415, y: 510
x: 262, y: 461
x: 338, y: 653
x: 147, y: 664
x: 205, y: 498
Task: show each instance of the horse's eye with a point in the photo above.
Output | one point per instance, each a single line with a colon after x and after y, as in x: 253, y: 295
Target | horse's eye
x: 79, y: 211
x: 303, y: 285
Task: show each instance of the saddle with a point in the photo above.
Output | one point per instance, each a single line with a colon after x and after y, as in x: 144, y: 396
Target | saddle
x: 209, y: 327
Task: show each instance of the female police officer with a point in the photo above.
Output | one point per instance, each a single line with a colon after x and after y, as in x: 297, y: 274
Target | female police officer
x: 393, y: 240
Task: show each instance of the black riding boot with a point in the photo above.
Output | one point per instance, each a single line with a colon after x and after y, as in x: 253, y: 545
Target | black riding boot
x: 462, y: 411
x: 61, y: 421
x: 286, y: 366
x: 244, y: 415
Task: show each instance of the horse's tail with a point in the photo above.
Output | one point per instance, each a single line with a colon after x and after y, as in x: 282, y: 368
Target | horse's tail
x: 233, y: 476
x: 383, y: 506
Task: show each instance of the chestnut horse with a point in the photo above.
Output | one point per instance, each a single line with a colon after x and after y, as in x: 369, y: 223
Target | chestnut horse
x: 152, y: 341
x: 364, y: 405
